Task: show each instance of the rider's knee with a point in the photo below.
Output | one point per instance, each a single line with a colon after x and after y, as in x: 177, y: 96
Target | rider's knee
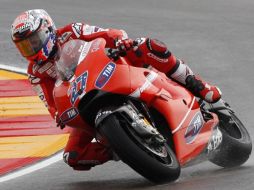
x: 72, y: 159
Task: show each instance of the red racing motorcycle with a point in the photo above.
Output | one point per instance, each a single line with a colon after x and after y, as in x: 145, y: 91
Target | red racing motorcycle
x: 155, y: 125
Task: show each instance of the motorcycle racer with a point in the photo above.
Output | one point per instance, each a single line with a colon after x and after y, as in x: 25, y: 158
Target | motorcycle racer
x: 39, y: 41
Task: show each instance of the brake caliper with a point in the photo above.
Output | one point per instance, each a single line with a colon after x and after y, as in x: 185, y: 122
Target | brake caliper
x: 143, y: 127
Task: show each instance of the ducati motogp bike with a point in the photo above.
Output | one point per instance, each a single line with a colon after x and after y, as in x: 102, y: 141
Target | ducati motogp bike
x: 155, y: 125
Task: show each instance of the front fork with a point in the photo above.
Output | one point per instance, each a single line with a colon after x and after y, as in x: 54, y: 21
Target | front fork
x: 137, y: 121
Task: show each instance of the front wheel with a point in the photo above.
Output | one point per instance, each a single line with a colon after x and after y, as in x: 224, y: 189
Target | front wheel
x: 156, y: 164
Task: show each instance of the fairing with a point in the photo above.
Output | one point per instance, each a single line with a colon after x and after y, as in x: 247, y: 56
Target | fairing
x: 84, y: 68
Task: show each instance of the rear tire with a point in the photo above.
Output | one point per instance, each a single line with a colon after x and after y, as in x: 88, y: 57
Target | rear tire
x: 135, y: 156
x: 236, y: 144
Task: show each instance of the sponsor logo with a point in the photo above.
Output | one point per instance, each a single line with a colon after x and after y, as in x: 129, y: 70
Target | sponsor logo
x: 149, y: 79
x: 157, y: 58
x: 77, y: 29
x: 22, y: 27
x: 102, y: 114
x: 194, y: 128
x: 65, y: 37
x: 48, y: 46
x: 35, y: 68
x: 105, y: 75
x: 33, y: 79
x: 45, y: 67
x: 87, y: 29
x: 96, y: 29
x: 78, y: 87
x: 69, y: 115
x: 95, y: 46
x: 38, y: 89
x: 52, y: 72
x: 84, y: 51
x: 215, y: 141
x: 42, y: 97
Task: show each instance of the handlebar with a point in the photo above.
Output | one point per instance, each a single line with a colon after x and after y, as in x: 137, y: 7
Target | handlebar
x: 115, y: 53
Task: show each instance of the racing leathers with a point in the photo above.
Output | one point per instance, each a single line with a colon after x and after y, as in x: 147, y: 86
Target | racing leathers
x: 80, y: 152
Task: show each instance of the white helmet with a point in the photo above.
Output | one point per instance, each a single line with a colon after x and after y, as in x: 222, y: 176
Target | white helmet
x: 34, y: 34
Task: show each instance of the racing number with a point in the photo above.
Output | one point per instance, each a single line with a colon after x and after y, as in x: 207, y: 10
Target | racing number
x: 78, y: 87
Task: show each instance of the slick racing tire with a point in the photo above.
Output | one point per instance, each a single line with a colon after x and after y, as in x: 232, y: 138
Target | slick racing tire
x: 138, y: 158
x: 236, y: 144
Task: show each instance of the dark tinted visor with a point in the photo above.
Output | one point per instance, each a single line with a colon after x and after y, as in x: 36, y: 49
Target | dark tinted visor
x: 34, y: 43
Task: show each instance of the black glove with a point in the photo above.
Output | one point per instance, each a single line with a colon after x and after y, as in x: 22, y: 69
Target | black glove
x: 59, y: 122
x: 123, y: 46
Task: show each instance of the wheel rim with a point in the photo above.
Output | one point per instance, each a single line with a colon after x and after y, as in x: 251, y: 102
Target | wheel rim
x: 233, y: 127
x: 162, y: 154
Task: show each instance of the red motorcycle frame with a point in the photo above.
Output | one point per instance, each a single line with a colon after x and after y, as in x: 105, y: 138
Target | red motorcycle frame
x: 89, y: 79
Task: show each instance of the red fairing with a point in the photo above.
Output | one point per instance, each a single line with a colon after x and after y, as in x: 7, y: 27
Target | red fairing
x: 177, y: 105
x: 98, y: 71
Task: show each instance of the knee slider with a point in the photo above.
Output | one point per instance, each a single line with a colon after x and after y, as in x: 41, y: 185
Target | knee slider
x: 158, y: 48
x: 70, y: 158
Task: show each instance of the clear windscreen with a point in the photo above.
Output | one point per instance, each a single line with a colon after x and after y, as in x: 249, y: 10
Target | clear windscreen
x: 70, y: 56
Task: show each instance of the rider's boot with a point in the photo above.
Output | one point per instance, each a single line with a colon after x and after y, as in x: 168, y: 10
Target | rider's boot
x: 194, y: 84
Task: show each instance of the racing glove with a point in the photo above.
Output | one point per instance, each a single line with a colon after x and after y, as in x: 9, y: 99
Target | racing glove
x: 58, y: 121
x: 123, y: 45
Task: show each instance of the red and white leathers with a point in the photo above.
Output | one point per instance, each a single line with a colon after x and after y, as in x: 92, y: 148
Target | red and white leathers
x: 80, y: 152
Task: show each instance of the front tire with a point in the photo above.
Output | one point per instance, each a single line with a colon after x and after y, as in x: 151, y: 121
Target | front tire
x: 137, y: 157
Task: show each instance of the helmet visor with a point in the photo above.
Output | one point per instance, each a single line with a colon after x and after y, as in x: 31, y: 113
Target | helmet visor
x: 34, y: 43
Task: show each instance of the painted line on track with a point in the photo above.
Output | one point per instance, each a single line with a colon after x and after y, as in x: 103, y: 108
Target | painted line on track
x: 40, y: 165
x: 35, y: 167
x: 12, y: 68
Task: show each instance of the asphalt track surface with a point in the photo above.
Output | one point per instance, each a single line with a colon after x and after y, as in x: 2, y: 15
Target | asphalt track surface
x: 214, y: 37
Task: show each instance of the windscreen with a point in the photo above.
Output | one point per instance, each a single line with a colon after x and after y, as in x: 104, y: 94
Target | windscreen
x: 71, y: 53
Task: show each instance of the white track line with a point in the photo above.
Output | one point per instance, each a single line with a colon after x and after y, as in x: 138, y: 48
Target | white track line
x: 39, y: 165
x: 12, y: 68
x: 32, y: 168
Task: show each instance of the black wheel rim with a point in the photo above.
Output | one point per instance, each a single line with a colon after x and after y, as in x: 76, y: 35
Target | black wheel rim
x: 167, y: 159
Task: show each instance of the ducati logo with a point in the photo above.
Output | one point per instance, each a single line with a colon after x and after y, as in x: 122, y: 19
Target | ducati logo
x: 65, y: 37
x: 194, y: 128
x: 77, y: 29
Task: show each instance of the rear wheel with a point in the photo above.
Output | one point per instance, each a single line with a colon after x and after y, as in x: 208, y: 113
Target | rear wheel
x: 156, y: 162
x: 236, y: 144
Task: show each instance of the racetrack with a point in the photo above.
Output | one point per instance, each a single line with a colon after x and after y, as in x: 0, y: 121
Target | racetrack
x: 214, y: 37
